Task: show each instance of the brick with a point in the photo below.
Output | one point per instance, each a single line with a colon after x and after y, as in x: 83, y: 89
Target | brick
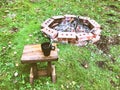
x: 50, y: 32
x: 67, y: 35
x: 84, y: 18
x: 94, y: 24
x: 95, y: 39
x: 64, y: 41
x: 58, y: 17
x: 70, y: 16
x: 96, y: 31
x: 72, y: 41
x: 47, y: 22
x: 55, y: 39
x: 81, y: 43
x: 84, y: 36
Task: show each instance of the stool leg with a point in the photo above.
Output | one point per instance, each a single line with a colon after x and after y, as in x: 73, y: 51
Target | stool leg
x: 53, y: 75
x: 31, y: 75
x: 33, y: 72
x: 49, y: 68
x: 34, y: 66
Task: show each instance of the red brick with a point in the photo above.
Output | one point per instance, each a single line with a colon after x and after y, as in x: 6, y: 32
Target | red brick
x: 50, y: 32
x: 96, y: 31
x: 67, y: 35
x: 84, y: 36
x: 58, y: 17
x: 47, y: 22
x: 95, y: 39
x: 94, y: 24
x: 70, y: 16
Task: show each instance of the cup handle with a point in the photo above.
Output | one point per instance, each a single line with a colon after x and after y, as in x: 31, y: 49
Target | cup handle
x: 53, y: 47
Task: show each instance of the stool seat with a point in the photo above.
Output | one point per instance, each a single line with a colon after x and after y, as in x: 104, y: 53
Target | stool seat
x: 34, y: 54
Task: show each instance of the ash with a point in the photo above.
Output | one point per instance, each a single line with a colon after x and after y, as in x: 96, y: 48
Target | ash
x: 69, y: 24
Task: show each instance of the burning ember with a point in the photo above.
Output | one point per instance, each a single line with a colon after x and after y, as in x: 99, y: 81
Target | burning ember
x: 72, y: 29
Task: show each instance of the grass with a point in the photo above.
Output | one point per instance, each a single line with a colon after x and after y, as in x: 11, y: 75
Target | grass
x: 20, y: 25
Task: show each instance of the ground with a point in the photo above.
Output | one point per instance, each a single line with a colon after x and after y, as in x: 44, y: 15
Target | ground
x: 92, y: 67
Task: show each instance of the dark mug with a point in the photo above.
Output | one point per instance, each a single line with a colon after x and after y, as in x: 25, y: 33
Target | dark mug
x: 46, y: 48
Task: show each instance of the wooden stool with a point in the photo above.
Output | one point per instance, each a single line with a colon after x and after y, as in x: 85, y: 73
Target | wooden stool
x: 33, y: 54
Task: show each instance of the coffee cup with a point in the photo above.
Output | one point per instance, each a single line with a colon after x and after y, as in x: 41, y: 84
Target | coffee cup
x: 46, y: 48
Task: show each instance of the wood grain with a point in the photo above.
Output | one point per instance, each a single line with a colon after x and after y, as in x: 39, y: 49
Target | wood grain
x: 34, y: 54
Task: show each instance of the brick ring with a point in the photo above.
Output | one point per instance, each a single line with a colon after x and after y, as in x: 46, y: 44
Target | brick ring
x: 73, y: 29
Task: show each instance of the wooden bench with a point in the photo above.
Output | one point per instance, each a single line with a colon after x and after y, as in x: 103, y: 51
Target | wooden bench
x: 32, y: 54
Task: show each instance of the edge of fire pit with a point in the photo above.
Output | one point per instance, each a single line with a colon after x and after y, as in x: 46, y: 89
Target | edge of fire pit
x: 79, y: 39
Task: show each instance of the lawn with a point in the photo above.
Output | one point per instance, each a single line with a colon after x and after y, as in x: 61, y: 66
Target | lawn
x: 20, y: 24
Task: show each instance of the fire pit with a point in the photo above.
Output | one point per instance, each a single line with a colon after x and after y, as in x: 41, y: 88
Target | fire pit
x: 73, y: 29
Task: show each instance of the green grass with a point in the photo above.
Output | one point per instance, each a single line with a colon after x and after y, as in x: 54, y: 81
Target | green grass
x: 20, y: 23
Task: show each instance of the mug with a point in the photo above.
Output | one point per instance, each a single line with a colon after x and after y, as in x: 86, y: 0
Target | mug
x: 46, y: 48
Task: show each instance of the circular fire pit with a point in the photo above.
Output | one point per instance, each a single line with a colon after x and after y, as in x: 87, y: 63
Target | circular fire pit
x: 73, y: 29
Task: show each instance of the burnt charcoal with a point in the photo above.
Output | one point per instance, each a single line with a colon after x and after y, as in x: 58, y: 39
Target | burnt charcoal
x: 70, y: 25
x: 87, y: 30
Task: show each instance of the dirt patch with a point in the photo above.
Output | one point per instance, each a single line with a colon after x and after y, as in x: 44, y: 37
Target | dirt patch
x: 104, y: 42
x: 110, y: 14
x: 114, y: 40
x: 113, y: 7
x: 111, y: 22
x: 101, y: 64
x: 113, y: 83
x: 14, y: 30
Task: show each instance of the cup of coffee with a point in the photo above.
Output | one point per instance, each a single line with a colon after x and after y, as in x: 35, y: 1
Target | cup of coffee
x: 46, y: 48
